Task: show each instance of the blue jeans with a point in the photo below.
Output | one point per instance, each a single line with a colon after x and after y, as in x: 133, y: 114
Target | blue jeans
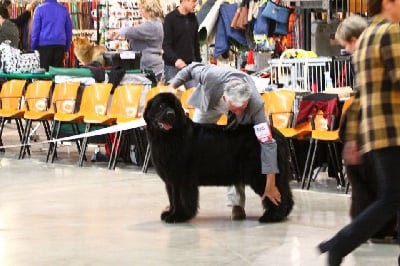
x: 171, y: 71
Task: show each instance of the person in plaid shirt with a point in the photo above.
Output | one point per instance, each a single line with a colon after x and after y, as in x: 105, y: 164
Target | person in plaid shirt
x: 373, y: 127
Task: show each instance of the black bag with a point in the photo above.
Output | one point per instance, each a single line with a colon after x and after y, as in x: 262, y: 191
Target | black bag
x: 133, y: 146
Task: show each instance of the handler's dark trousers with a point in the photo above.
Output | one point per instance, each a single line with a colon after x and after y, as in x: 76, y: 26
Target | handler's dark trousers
x: 384, y: 164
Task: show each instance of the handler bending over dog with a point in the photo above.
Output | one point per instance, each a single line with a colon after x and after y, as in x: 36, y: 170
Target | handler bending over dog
x: 224, y: 89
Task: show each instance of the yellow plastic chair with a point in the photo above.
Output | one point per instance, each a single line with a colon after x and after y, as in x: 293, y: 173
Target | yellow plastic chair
x: 64, y: 106
x: 93, y: 107
x: 321, y: 133
x: 189, y: 109
x: 278, y: 105
x: 150, y: 94
x: 37, y: 108
x: 125, y: 106
x: 11, y: 99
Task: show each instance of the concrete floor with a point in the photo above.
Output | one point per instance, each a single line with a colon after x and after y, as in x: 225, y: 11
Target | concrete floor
x: 60, y: 214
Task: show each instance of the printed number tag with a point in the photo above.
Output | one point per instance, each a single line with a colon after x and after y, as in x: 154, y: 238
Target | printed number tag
x: 263, y: 132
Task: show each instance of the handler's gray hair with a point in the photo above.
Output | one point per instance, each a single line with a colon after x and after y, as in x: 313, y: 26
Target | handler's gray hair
x: 237, y: 92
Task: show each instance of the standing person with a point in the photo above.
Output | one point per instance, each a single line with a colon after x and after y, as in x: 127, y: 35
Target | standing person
x: 148, y: 37
x: 8, y: 30
x: 181, y: 41
x: 363, y: 191
x: 373, y: 126
x: 223, y: 89
x: 51, y: 33
x: 349, y: 30
x: 22, y: 18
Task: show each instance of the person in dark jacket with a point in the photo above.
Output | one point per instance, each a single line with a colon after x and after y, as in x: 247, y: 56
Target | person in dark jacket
x: 8, y: 30
x: 51, y: 33
x: 181, y: 41
x: 21, y: 20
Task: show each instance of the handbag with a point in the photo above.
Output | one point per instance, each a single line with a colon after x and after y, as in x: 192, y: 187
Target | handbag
x: 239, y: 21
x: 28, y: 62
x: 261, y: 24
x: 276, y: 12
x: 14, y: 61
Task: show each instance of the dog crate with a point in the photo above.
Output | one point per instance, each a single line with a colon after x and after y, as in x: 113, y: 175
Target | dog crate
x: 301, y: 74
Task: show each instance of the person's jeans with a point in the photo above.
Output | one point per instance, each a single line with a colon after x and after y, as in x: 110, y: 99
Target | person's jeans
x: 171, y: 71
x: 384, y: 164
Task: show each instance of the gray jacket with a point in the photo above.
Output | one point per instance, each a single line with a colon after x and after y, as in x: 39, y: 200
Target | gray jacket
x: 148, y: 38
x: 211, y: 80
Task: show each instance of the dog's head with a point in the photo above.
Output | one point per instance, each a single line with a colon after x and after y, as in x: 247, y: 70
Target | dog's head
x: 80, y: 41
x: 164, y: 112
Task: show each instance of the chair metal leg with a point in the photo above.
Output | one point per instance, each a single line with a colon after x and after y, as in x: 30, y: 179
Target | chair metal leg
x: 2, y: 123
x: 338, y: 164
x: 293, y: 159
x: 84, y: 146
x: 305, y: 171
x: 20, y: 129
x: 51, y: 144
x: 146, y: 159
x: 25, y: 139
x: 115, y: 150
x: 312, y: 163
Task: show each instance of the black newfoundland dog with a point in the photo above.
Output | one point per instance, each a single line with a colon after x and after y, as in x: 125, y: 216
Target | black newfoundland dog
x: 187, y: 155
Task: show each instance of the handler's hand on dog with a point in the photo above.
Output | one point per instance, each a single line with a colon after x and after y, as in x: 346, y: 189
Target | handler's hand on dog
x: 172, y: 89
x: 273, y: 194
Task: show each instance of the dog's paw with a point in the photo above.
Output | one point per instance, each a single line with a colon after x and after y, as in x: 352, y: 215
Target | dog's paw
x: 268, y: 218
x: 273, y: 213
x: 170, y: 217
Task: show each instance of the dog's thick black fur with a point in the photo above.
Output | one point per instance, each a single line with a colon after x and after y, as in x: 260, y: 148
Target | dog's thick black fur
x: 187, y: 155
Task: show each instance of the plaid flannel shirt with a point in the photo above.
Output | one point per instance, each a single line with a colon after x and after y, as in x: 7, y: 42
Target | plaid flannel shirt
x: 375, y: 118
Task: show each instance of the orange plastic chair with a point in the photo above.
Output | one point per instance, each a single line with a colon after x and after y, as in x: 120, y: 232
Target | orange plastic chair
x: 37, y: 108
x: 185, y: 95
x: 278, y: 105
x: 321, y: 133
x: 93, y: 107
x: 11, y: 99
x: 64, y: 106
x: 189, y: 109
x: 125, y: 105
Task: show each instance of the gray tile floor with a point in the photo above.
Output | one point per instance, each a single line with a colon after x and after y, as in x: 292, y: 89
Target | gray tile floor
x: 60, y: 214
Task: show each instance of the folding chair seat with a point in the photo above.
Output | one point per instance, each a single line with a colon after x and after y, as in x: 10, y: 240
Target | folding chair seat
x: 64, y: 104
x: 125, y: 106
x: 37, y: 108
x: 278, y: 105
x: 11, y: 95
x: 331, y: 138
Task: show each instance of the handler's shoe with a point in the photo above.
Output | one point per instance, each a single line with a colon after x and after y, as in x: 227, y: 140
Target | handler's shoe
x: 238, y: 213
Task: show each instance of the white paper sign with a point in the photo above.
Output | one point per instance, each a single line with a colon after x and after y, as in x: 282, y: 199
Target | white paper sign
x: 263, y: 132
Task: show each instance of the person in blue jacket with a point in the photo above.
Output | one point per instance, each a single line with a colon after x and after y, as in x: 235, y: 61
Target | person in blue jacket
x: 51, y: 33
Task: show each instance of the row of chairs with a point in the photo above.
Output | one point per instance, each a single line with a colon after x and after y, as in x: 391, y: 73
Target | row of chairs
x: 39, y: 101
x: 318, y: 124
